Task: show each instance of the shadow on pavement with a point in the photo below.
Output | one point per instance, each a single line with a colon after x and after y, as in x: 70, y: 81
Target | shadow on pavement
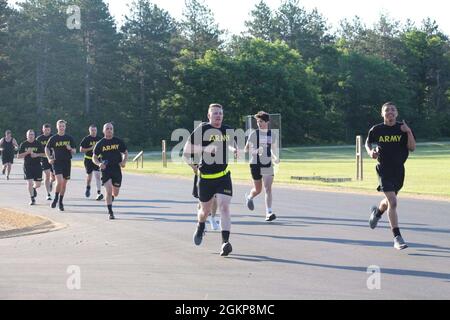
x: 396, y: 272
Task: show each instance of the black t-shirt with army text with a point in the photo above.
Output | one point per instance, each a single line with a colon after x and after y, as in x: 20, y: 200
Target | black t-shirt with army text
x: 43, y: 140
x: 110, y: 150
x: 206, y: 135
x: 89, y: 142
x: 392, y: 144
x: 59, y: 145
x: 36, y: 147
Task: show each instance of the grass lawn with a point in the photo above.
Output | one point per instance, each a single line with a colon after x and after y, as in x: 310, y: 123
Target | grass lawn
x: 427, y: 169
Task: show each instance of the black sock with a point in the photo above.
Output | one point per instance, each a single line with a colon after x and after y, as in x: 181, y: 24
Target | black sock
x: 88, y: 187
x: 396, y: 232
x: 379, y: 213
x: 112, y: 198
x: 225, y: 236
x: 202, y: 226
x: 61, y: 199
x: 56, y: 197
x: 99, y: 192
x: 110, y: 208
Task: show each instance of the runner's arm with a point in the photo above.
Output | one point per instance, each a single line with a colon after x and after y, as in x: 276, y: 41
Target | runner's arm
x: 23, y: 153
x: 48, y: 154
x: 85, y: 150
x: 411, y: 142
x: 124, y: 159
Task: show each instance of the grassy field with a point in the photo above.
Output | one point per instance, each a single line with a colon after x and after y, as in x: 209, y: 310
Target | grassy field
x: 427, y: 170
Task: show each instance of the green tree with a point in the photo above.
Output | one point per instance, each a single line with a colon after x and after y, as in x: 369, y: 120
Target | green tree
x: 304, y: 31
x: 149, y: 52
x: 200, y: 29
x: 98, y: 41
x: 4, y: 16
x: 427, y: 62
x: 259, y: 75
x: 262, y: 23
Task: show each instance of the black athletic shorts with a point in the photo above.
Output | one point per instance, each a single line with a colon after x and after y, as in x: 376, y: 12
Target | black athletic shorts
x: 113, y: 174
x: 64, y: 168
x: 207, y: 188
x: 33, y: 172
x: 90, y: 166
x: 390, y: 178
x: 258, y: 171
x: 7, y: 158
x: 46, y: 165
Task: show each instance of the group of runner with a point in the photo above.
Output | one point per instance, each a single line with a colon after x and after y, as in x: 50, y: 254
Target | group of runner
x: 52, y: 155
x: 206, y: 152
x: 207, y: 148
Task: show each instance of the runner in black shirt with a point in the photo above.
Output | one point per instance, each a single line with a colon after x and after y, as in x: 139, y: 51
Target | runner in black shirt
x: 211, y: 142
x: 87, y: 146
x: 111, y: 155
x: 32, y: 150
x: 8, y: 147
x: 59, y: 151
x: 46, y: 166
x: 394, y: 141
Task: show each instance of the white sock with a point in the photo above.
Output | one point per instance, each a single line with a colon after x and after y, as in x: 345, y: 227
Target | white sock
x: 269, y: 210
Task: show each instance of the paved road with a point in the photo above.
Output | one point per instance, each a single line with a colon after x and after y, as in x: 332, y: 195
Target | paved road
x: 320, y: 247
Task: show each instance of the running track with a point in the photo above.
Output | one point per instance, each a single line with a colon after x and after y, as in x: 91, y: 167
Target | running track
x: 319, y: 248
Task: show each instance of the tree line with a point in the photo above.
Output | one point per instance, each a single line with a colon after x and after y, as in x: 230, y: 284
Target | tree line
x: 155, y: 73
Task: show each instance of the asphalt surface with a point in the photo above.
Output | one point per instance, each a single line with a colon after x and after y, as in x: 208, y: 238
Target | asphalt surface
x: 320, y: 247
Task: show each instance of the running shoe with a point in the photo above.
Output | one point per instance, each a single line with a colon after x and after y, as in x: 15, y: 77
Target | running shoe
x: 373, y: 221
x: 214, y: 223
x: 270, y: 217
x: 226, y: 249
x: 99, y: 197
x: 250, y: 204
x: 399, y: 243
x: 198, y: 234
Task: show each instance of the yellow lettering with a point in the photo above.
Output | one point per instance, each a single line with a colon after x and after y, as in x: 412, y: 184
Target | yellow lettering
x: 111, y: 147
x: 62, y: 143
x: 219, y: 138
x: 390, y: 139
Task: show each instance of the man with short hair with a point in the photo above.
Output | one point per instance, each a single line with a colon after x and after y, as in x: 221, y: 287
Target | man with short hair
x: 46, y: 166
x: 59, y: 151
x: 32, y: 150
x: 8, y: 147
x: 262, y: 146
x: 394, y: 141
x: 111, y: 155
x: 87, y: 146
x: 210, y: 143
